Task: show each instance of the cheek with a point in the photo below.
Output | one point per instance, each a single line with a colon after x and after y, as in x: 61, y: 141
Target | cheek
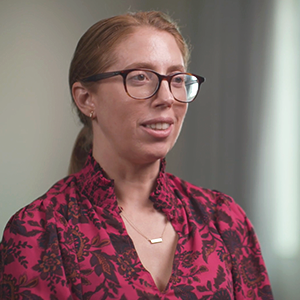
x: 181, y: 112
x: 111, y: 108
x: 120, y: 118
x: 180, y: 115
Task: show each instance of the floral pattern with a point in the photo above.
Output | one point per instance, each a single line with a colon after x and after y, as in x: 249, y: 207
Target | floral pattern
x: 71, y: 243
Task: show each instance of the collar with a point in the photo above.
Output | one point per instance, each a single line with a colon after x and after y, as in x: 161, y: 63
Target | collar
x: 100, y: 191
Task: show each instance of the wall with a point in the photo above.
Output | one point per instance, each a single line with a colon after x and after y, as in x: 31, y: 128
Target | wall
x: 38, y: 123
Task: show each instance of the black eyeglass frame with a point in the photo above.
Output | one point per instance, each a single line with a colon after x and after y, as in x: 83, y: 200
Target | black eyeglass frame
x: 124, y: 73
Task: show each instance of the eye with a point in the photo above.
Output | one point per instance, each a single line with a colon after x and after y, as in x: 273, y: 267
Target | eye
x: 138, y: 77
x: 178, y: 80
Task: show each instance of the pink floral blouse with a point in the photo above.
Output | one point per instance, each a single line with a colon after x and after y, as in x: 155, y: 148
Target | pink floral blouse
x: 71, y: 243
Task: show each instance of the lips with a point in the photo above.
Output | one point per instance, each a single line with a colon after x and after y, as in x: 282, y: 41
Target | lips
x: 158, y: 123
x: 158, y: 126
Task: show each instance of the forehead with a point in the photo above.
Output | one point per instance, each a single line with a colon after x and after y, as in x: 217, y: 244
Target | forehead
x: 148, y: 48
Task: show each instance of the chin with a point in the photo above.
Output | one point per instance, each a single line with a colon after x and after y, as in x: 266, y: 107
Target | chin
x: 150, y: 153
x: 158, y: 154
x: 148, y: 157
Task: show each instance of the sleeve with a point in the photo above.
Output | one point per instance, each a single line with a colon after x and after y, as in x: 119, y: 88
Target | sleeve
x: 36, y: 257
x: 249, y: 272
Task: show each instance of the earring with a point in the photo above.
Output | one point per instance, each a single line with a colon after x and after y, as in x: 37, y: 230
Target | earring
x: 92, y: 114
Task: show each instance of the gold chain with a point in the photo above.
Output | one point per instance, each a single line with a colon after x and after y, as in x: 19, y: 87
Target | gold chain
x: 151, y: 241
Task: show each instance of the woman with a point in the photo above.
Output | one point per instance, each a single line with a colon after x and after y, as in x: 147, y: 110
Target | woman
x: 122, y: 228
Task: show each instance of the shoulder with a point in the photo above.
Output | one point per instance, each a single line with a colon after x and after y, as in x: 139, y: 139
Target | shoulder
x: 213, y: 205
x: 226, y: 220
x: 36, y: 240
x: 45, y: 210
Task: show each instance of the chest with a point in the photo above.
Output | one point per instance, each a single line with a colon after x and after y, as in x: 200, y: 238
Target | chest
x: 157, y: 258
x: 114, y: 261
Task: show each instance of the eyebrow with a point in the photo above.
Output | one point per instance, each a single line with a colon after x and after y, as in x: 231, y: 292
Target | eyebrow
x: 145, y: 65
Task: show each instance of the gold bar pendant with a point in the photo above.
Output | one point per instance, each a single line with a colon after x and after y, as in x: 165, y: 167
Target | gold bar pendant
x: 156, y: 241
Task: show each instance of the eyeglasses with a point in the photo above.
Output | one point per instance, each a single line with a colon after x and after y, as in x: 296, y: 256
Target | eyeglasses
x: 143, y: 83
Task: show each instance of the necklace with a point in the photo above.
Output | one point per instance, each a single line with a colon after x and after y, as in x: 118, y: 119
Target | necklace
x: 151, y: 241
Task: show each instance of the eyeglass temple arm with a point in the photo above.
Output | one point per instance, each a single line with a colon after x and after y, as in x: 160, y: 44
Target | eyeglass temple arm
x: 100, y: 76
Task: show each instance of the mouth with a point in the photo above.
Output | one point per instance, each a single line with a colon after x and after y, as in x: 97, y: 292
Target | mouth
x: 158, y: 126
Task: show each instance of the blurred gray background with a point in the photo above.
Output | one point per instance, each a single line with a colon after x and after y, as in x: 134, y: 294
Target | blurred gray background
x: 241, y: 135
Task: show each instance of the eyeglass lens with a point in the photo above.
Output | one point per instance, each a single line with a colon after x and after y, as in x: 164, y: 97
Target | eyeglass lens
x: 142, y: 84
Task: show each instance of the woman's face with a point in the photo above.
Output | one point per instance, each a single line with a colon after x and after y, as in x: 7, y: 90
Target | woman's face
x: 140, y: 131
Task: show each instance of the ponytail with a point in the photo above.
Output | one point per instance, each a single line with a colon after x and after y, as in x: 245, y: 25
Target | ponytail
x: 82, y: 147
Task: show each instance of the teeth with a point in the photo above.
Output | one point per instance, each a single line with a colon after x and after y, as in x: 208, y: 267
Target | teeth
x: 158, y: 126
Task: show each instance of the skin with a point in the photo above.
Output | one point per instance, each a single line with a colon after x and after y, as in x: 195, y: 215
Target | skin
x: 127, y: 150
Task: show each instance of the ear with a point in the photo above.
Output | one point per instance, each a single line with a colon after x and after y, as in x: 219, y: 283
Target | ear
x: 83, y: 98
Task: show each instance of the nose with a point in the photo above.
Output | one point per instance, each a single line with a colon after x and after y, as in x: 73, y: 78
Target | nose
x: 164, y: 95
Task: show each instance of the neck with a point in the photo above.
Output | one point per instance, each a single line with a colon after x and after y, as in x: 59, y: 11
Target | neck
x: 133, y: 182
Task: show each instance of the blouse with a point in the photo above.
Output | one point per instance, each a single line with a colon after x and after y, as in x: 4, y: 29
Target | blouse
x: 71, y: 243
